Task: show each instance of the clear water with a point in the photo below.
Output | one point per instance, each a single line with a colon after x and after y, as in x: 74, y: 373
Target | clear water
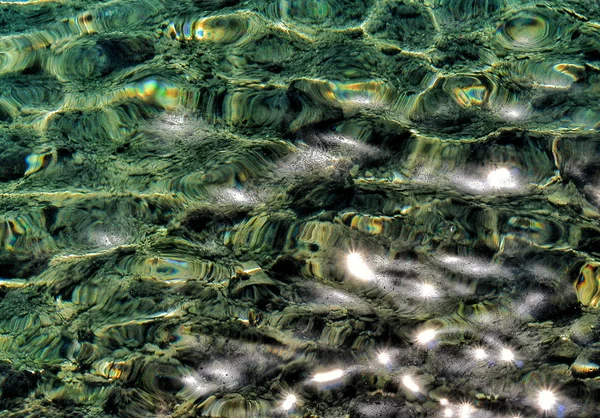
x: 302, y: 208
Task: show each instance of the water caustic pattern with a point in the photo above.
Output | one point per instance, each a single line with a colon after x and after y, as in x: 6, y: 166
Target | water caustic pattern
x: 337, y: 208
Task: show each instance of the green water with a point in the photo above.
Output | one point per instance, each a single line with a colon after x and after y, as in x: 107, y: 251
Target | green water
x: 299, y: 208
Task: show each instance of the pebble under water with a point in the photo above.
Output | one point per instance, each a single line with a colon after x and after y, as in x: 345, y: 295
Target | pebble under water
x: 299, y: 208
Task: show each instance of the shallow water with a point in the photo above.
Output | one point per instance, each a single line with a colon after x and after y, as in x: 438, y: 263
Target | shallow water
x: 299, y: 208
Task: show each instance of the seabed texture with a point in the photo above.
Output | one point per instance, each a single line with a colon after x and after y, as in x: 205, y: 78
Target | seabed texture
x: 299, y: 208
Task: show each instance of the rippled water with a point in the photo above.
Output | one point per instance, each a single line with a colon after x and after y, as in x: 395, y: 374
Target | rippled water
x: 310, y: 208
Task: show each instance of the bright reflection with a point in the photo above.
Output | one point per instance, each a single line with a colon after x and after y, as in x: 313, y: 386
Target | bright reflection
x: 472, y: 266
x: 513, y: 114
x: 238, y: 196
x: 546, y: 399
x: 426, y: 336
x: 410, y: 383
x: 358, y: 267
x: 289, y: 402
x: 479, y: 354
x: 448, y: 412
x: 507, y: 355
x: 444, y: 402
x: 501, y: 178
x: 328, y: 376
x: 428, y: 291
x: 223, y: 374
x: 384, y: 358
x: 466, y: 409
x: 190, y: 380
x: 108, y: 239
x: 197, y: 385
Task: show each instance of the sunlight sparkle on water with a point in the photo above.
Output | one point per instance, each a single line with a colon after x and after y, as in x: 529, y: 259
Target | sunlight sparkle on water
x: 426, y: 336
x: 190, y: 380
x: 479, y: 354
x: 513, y: 114
x: 501, y: 178
x: 428, y: 291
x: 328, y: 376
x: 358, y: 267
x: 546, y: 399
x: 289, y: 402
x: 384, y: 358
x: 466, y: 409
x: 410, y: 383
x: 507, y: 355
x: 238, y: 196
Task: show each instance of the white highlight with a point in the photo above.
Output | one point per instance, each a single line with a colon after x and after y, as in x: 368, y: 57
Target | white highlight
x: 289, y: 402
x: 358, y: 267
x: 466, y: 410
x: 501, y: 178
x: 472, y: 266
x: 546, y: 399
x: 238, y: 196
x: 108, y: 239
x: 428, y: 291
x: 479, y: 354
x: 328, y: 376
x: 190, y: 380
x: 444, y: 402
x: 410, y: 383
x: 507, y: 355
x: 448, y: 412
x: 512, y: 114
x: 384, y: 358
x: 426, y: 336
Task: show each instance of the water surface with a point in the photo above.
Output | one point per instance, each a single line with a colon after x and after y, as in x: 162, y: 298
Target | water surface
x: 302, y: 208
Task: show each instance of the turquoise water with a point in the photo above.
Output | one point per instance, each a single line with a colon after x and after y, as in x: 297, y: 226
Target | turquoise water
x: 299, y: 208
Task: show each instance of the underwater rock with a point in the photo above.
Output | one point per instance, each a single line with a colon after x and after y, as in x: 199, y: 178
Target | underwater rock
x: 410, y: 25
x: 564, y: 350
x: 18, y: 384
x: 313, y: 14
x: 93, y: 59
x: 587, y: 364
x: 234, y: 406
x: 584, y: 329
x: 529, y: 30
x: 466, y: 10
x: 587, y: 285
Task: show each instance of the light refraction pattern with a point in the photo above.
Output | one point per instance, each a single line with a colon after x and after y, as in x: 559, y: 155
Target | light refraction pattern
x: 299, y: 208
